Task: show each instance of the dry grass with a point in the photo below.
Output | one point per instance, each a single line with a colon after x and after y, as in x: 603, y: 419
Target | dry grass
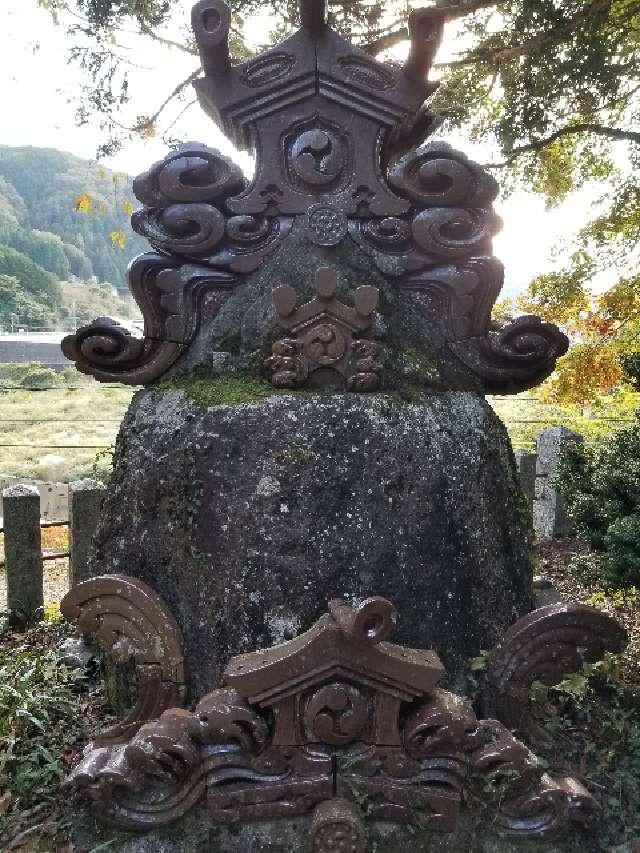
x: 55, y: 572
x: 79, y: 418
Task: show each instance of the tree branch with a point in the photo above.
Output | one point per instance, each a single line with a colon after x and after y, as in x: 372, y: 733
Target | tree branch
x: 386, y: 41
x: 467, y: 7
x: 147, y: 31
x: 149, y: 121
x: 613, y: 133
x: 494, y: 56
x: 451, y: 12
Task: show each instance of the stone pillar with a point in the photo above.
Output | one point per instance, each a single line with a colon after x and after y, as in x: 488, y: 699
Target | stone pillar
x: 22, y: 552
x: 85, y: 503
x: 550, y: 519
x: 526, y: 464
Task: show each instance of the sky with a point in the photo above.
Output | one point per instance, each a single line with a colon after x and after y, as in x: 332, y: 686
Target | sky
x: 40, y: 85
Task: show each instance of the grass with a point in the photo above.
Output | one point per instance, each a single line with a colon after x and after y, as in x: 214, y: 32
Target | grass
x: 47, y: 713
x: 525, y: 416
x: 84, y: 417
x: 79, y: 418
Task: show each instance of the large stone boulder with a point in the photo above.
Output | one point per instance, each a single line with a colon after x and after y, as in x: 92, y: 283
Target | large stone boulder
x: 247, y: 512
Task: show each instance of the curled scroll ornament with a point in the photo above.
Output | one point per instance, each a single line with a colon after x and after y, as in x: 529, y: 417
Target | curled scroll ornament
x: 435, y: 174
x: 190, y: 173
x: 169, y: 295
x: 453, y: 232
x: 166, y: 758
x: 516, y: 357
x: 545, y: 645
x: 131, y: 623
x: 181, y: 229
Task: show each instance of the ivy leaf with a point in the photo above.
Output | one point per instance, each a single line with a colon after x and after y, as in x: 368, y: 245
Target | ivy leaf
x: 479, y: 663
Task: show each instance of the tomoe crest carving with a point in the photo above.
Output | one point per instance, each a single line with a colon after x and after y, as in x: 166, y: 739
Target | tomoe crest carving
x: 339, y: 144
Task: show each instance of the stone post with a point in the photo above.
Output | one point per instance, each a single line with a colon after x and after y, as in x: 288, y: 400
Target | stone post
x: 22, y: 552
x: 526, y: 464
x: 550, y: 519
x: 85, y: 503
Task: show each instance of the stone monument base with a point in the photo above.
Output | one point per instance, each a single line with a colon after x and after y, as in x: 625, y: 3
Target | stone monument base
x: 247, y: 518
x: 194, y: 834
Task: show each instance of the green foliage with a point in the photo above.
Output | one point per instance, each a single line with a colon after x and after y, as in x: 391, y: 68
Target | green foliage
x: 39, y: 717
x: 14, y: 300
x: 39, y: 187
x: 39, y: 378
x: 30, y: 310
x: 630, y: 364
x: 560, y: 296
x: 593, y: 719
x: 47, y: 250
x: 33, y: 278
x: 602, y: 488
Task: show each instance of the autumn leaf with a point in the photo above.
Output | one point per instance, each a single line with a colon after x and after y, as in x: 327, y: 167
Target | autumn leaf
x: 83, y: 203
x: 145, y: 126
x: 127, y: 207
x: 118, y: 239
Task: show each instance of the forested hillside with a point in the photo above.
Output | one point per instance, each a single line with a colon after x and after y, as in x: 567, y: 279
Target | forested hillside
x: 39, y: 188
x: 60, y: 218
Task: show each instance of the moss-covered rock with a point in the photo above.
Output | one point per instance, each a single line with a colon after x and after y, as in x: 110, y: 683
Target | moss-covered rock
x: 248, y: 514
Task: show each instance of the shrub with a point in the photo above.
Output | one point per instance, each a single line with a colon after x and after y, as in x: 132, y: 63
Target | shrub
x: 39, y: 718
x: 602, y: 490
x: 15, y: 371
x: 41, y: 377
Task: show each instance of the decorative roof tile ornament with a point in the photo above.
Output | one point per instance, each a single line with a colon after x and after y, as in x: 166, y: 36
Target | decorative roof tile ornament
x: 336, y: 724
x: 131, y: 623
x: 323, y: 338
x: 338, y: 139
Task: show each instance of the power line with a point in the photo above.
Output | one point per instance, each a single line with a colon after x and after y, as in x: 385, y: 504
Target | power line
x: 580, y: 420
x: 59, y: 446
x: 77, y: 420
x: 64, y: 388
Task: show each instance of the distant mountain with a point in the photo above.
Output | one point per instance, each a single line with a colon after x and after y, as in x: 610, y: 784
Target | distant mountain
x: 61, y: 219
x: 38, y: 192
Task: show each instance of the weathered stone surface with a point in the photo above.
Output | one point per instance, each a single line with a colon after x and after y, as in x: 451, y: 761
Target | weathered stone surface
x: 195, y: 835
x: 241, y: 333
x: 22, y: 551
x: 85, y: 502
x: 247, y: 518
x: 526, y: 465
x: 550, y: 519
